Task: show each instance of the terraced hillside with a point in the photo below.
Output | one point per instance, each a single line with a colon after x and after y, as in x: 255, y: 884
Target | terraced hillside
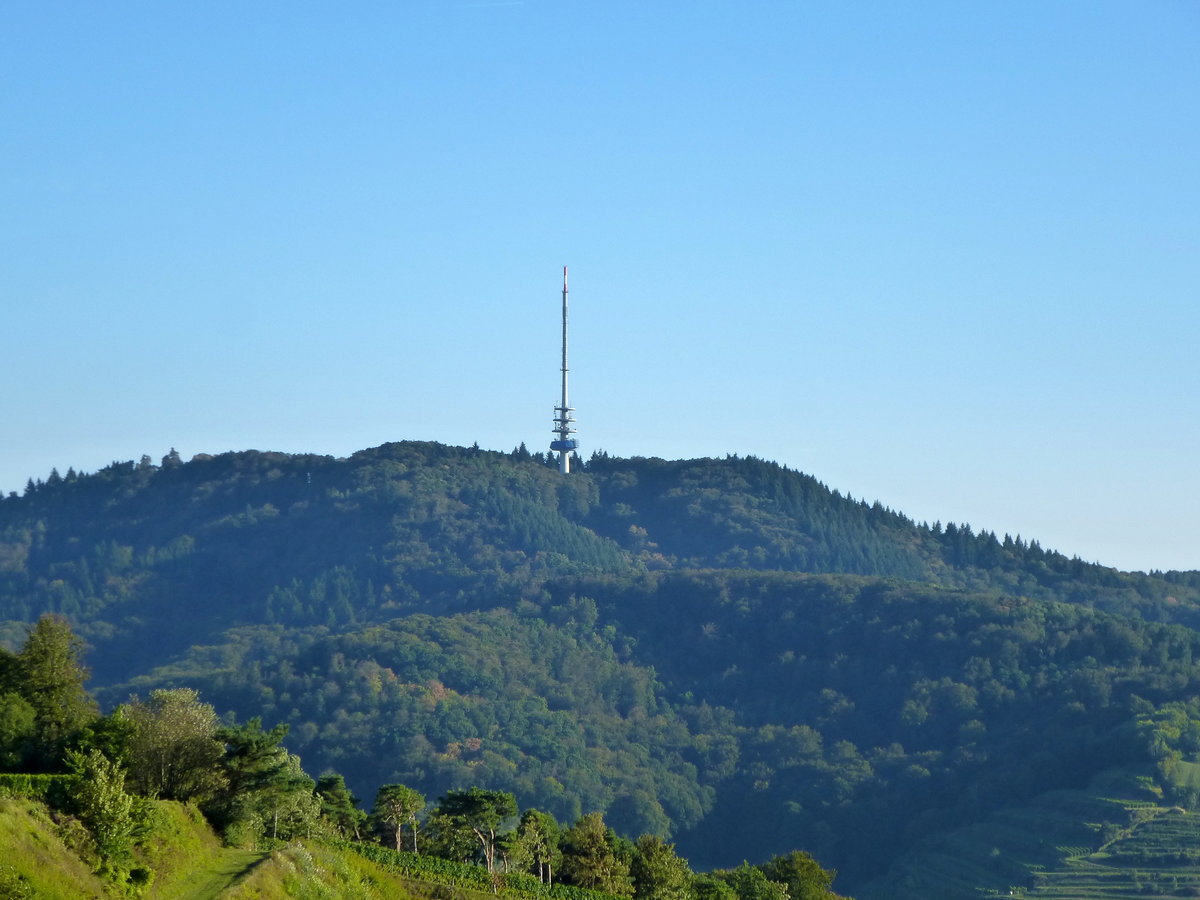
x: 1146, y: 860
x: 1113, y: 841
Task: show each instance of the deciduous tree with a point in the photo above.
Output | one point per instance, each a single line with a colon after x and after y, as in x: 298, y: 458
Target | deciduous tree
x: 749, y: 883
x: 104, y: 806
x: 17, y: 730
x: 658, y: 872
x: 173, y: 751
x: 590, y: 859
x: 803, y: 875
x: 536, y: 845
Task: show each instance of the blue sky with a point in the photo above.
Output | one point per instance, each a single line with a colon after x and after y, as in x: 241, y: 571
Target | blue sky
x: 942, y: 255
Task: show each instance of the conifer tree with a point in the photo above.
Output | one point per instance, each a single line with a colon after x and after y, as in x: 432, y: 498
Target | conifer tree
x: 339, y: 806
x: 51, y: 677
x: 480, y: 812
x: 397, y: 805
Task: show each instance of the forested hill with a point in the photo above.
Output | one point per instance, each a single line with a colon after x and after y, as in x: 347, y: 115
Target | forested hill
x: 269, y: 537
x: 724, y: 651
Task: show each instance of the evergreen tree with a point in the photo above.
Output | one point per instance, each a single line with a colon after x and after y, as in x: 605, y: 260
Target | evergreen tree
x: 480, y: 812
x: 339, y: 807
x: 51, y: 679
x: 261, y: 779
x: 397, y: 805
x: 288, y: 804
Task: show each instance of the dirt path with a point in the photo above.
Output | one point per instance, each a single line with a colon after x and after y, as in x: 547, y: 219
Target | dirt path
x: 223, y: 871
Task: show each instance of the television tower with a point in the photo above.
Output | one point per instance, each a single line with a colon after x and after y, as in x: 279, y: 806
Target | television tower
x: 563, y: 420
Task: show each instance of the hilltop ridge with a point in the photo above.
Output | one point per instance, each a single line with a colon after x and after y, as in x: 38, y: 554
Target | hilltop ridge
x: 720, y: 650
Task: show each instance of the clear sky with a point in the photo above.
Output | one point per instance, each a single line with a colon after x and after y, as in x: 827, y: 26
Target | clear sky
x: 945, y: 255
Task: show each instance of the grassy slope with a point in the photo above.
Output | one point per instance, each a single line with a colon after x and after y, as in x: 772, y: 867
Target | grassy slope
x: 189, y: 863
x: 187, y: 859
x: 319, y: 872
x: 33, y: 855
x: 1112, y: 841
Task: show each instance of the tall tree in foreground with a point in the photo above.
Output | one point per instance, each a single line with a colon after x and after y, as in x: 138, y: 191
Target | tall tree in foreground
x: 397, y: 805
x: 267, y: 794
x: 590, y: 859
x: 536, y: 844
x: 480, y: 813
x: 339, y: 806
x: 803, y: 876
x: 658, y: 872
x: 173, y: 751
x: 50, y: 677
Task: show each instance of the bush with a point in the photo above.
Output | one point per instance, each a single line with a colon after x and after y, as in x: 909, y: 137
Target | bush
x: 53, y: 790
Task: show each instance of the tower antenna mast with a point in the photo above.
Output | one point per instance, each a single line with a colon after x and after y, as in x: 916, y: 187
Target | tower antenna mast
x: 565, y: 445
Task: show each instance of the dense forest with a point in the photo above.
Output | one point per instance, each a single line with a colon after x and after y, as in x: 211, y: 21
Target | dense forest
x: 721, y: 653
x: 106, y: 777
